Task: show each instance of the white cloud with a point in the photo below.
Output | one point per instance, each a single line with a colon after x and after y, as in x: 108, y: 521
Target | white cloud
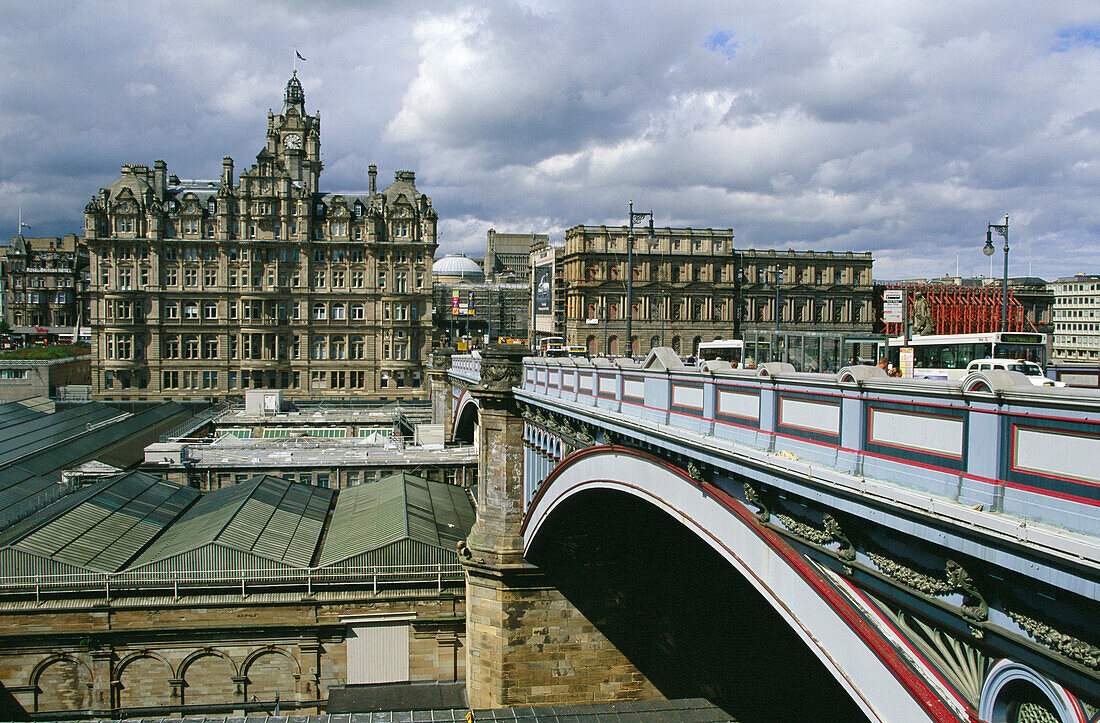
x: 901, y: 130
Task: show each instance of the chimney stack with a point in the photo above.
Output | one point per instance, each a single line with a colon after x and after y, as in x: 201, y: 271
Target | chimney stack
x: 372, y: 172
x: 160, y: 179
x: 227, y: 172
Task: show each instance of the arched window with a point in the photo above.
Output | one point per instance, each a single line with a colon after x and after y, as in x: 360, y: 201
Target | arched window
x: 676, y: 344
x: 695, y: 345
x: 590, y: 343
x: 613, y: 346
x: 654, y: 342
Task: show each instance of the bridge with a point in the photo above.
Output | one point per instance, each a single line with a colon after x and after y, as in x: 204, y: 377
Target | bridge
x: 848, y: 546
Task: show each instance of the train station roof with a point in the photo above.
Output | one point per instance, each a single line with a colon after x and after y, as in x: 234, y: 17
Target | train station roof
x: 267, y: 517
x: 35, y: 448
x: 401, y: 507
x: 103, y: 526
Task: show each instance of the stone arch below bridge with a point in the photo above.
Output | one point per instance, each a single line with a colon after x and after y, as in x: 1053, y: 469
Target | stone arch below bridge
x: 465, y: 425
x: 705, y: 602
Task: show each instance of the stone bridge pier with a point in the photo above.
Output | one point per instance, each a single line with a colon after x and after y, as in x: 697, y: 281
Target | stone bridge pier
x: 526, y: 643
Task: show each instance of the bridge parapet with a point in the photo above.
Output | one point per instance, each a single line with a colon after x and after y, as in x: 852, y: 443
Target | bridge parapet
x: 467, y: 367
x: 993, y: 445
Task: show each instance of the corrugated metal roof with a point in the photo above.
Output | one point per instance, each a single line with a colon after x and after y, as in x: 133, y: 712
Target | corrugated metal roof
x: 266, y: 516
x: 107, y: 527
x: 12, y: 414
x: 401, y: 506
x: 34, y: 450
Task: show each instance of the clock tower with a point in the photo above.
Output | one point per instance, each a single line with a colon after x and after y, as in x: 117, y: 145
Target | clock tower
x: 294, y: 137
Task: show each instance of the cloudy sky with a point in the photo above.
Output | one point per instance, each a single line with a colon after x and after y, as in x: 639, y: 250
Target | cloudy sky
x: 900, y: 128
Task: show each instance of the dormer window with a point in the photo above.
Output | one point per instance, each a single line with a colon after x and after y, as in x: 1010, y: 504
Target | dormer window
x: 212, y: 206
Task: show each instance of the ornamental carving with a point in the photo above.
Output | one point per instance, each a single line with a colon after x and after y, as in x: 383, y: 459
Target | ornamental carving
x: 974, y: 605
x: 922, y: 583
x: 756, y: 497
x: 806, y: 532
x: 1061, y: 643
x: 499, y: 376
x: 441, y: 359
x: 958, y: 580
x: 957, y: 659
x: 695, y: 472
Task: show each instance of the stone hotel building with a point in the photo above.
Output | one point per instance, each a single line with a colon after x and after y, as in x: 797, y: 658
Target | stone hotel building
x: 203, y: 289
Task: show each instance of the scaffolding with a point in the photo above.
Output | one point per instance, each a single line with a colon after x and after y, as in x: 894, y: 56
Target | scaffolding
x: 961, y: 309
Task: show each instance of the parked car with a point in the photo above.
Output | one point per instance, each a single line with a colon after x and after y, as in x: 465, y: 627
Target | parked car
x: 1030, y: 369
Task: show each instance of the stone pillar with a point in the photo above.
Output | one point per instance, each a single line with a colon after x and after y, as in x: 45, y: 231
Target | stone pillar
x: 440, y: 389
x: 103, y: 660
x: 525, y: 643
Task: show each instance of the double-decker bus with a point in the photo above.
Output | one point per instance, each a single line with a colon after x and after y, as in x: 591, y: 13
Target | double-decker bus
x: 946, y: 356
x: 552, y: 346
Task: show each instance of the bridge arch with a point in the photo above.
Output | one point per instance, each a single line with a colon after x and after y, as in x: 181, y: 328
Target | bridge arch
x: 1013, y: 691
x: 815, y: 636
x: 465, y: 419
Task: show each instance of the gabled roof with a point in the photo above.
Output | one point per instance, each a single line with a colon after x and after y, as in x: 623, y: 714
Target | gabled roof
x: 103, y: 526
x: 399, y: 507
x: 266, y: 516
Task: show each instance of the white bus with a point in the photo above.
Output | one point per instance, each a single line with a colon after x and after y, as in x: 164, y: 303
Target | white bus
x: 946, y: 356
x: 731, y: 350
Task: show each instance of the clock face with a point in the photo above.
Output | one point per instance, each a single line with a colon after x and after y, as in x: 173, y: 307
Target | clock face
x: 292, y: 142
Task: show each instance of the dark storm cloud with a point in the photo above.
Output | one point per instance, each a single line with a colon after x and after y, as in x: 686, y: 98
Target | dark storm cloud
x: 901, y: 129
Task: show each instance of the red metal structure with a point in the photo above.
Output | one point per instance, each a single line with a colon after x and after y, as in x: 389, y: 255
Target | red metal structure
x: 958, y: 309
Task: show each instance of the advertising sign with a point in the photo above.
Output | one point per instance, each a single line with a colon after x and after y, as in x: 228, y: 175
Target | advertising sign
x: 543, y: 288
x: 892, y: 300
x: 905, y: 359
x: 454, y: 303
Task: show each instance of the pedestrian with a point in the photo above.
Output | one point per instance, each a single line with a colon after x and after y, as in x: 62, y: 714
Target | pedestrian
x: 883, y: 364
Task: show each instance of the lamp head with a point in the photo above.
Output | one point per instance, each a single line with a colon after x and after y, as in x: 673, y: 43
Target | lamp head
x: 988, y: 248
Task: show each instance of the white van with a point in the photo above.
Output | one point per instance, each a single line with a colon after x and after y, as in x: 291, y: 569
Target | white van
x: 1030, y: 369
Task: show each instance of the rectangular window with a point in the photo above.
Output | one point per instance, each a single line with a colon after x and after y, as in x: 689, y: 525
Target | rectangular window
x: 210, y: 276
x: 210, y: 311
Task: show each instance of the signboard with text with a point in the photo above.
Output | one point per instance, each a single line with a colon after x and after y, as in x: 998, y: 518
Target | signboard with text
x: 892, y: 302
x: 905, y: 360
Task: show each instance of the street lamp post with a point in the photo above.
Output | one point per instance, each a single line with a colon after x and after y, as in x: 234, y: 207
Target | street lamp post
x: 778, y: 281
x: 634, y: 217
x: 1001, y: 229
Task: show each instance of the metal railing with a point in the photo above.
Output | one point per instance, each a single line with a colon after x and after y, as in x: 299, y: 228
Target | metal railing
x: 144, y: 582
x: 193, y: 423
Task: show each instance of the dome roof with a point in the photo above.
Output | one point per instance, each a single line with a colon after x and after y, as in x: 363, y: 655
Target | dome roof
x: 459, y: 266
